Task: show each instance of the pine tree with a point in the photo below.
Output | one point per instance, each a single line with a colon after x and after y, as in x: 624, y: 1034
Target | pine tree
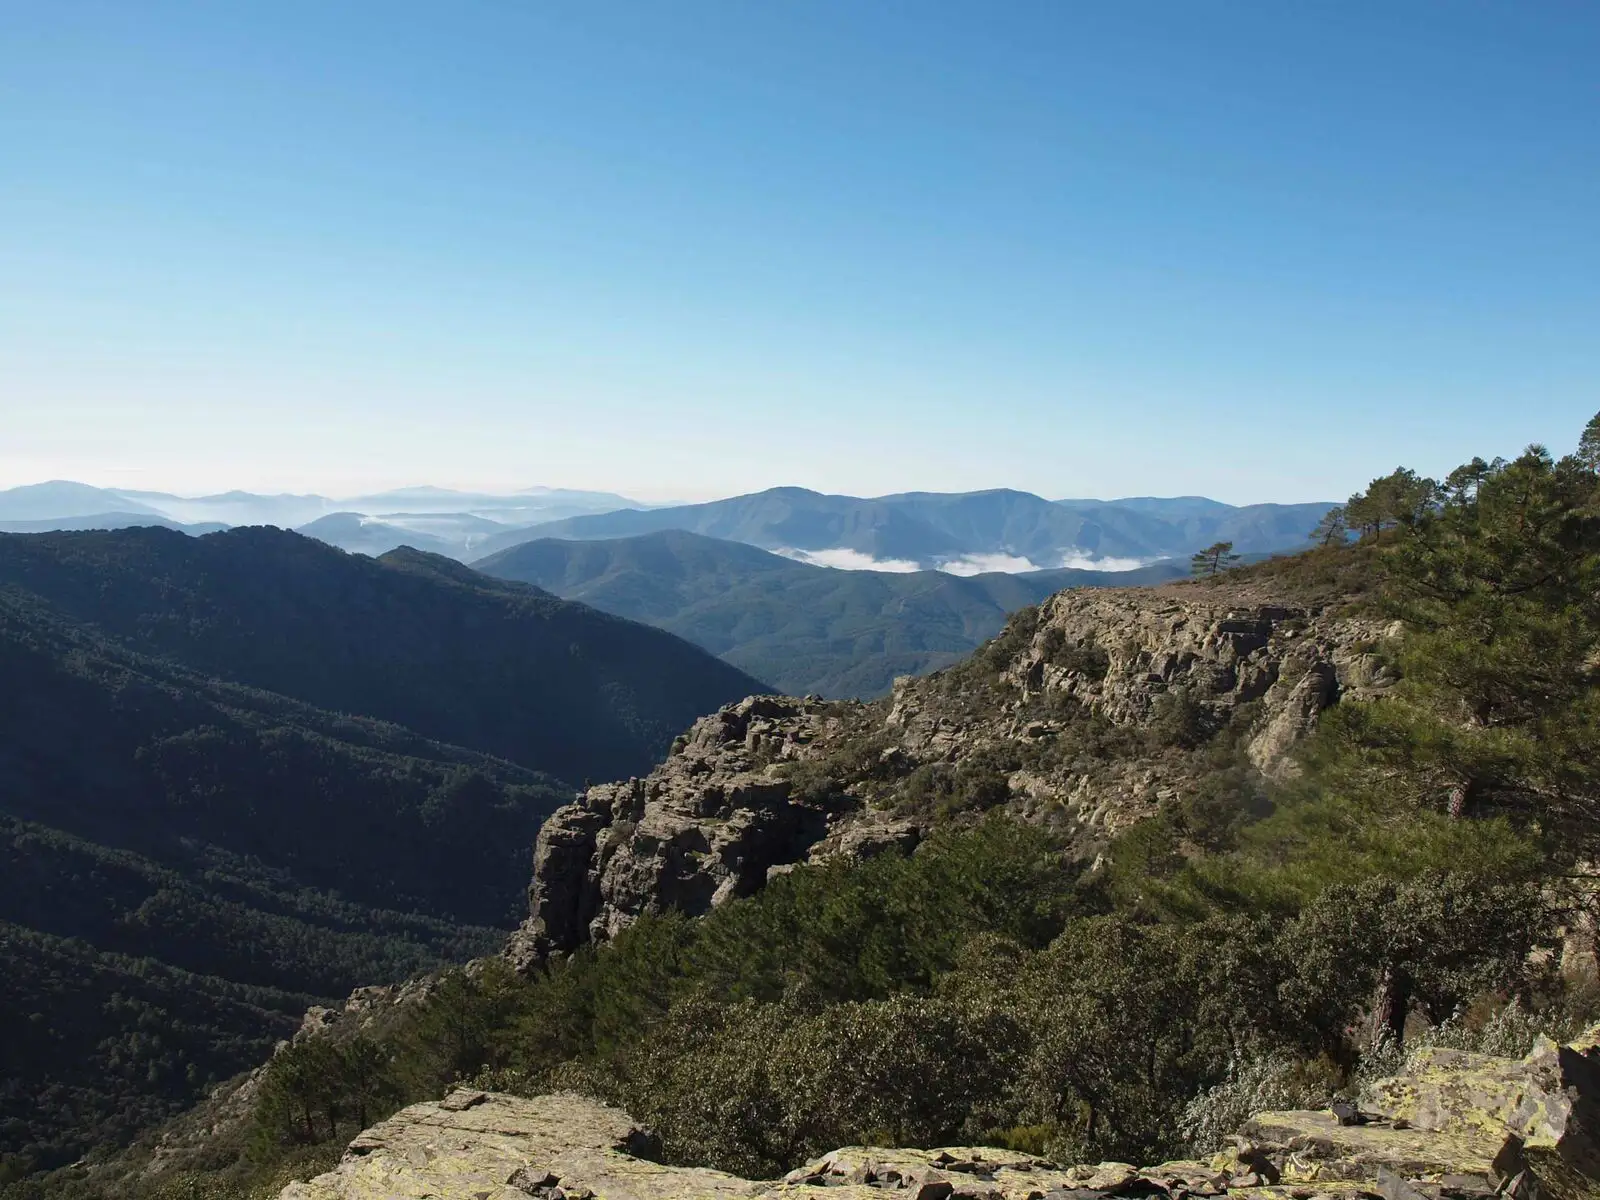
x: 1332, y: 529
x: 1213, y: 560
x: 366, y: 1077
x: 1499, y: 589
x: 1398, y: 500
x: 1589, y: 444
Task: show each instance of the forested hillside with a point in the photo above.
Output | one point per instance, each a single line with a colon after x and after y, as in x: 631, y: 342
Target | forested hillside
x: 412, y: 638
x: 1035, y: 975
x: 186, y: 864
x: 189, y: 859
x: 803, y: 628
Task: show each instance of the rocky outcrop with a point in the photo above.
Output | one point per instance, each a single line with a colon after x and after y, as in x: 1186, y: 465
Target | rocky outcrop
x: 725, y: 812
x: 1118, y: 652
x: 1545, y: 1107
x: 1453, y: 1127
x: 484, y: 1146
x: 481, y: 1146
x: 706, y: 825
x: 1225, y: 654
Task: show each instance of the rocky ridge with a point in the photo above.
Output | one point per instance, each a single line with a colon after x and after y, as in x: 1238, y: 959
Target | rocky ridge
x: 771, y: 782
x: 1453, y: 1126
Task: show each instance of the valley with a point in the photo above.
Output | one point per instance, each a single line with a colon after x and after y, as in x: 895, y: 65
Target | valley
x: 238, y: 776
x: 803, y: 628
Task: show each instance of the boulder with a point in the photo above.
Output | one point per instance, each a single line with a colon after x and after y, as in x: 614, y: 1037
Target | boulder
x: 1541, y: 1112
x: 1303, y: 1147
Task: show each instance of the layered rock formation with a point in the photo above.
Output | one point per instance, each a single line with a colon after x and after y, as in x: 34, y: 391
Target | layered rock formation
x: 1118, y: 652
x: 1453, y: 1127
x: 740, y: 798
x: 705, y: 825
x: 1123, y: 654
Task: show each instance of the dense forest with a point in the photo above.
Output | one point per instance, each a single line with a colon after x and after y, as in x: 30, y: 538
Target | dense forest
x: 1256, y: 944
x: 411, y: 638
x: 190, y: 858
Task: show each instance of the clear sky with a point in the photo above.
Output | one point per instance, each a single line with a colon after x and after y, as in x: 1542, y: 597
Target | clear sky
x: 1256, y: 250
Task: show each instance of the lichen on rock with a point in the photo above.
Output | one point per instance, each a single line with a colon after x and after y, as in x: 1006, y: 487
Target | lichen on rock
x: 1453, y: 1126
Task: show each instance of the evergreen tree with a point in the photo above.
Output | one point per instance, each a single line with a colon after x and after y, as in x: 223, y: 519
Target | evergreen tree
x: 365, y: 1078
x: 1499, y: 707
x: 300, y: 1084
x: 1213, y: 560
x: 1332, y: 529
x: 1398, y: 500
x: 1589, y: 444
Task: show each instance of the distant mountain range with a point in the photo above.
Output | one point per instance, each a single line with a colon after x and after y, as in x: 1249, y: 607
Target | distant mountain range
x: 61, y: 498
x: 804, y: 628
x: 526, y: 507
x: 964, y: 533
x: 437, y: 520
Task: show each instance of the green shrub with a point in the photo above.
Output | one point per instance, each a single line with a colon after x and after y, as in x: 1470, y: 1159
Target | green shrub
x: 1268, y: 1082
x: 1177, y: 719
x: 1083, y: 658
x: 755, y: 1088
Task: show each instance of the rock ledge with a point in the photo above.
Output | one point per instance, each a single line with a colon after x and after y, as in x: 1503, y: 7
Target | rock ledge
x: 1453, y: 1127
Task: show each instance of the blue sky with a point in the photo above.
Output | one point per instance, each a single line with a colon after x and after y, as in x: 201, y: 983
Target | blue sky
x: 1260, y: 251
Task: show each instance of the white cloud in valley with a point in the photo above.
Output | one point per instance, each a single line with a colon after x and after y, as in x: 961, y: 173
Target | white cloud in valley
x: 1082, y: 562
x: 842, y: 559
x: 982, y: 564
x: 1014, y: 564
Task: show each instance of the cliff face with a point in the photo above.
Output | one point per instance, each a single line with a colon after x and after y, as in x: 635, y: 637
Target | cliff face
x: 705, y: 825
x: 1125, y: 655
x: 1454, y: 1126
x: 1086, y: 714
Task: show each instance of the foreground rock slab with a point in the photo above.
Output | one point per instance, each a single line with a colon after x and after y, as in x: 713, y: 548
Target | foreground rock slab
x: 485, y: 1146
x: 1300, y: 1147
x: 1454, y: 1126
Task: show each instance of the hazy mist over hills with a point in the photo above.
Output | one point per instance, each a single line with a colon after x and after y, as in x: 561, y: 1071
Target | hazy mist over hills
x: 438, y: 520
x: 964, y: 533
x: 63, y: 498
x: 961, y: 533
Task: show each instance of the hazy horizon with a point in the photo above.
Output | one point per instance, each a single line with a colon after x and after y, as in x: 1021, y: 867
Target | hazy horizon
x: 533, y: 490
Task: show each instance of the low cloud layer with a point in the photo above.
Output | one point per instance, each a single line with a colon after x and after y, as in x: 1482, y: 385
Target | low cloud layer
x: 1080, y: 562
x: 842, y: 559
x: 1012, y: 564
x: 982, y: 564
